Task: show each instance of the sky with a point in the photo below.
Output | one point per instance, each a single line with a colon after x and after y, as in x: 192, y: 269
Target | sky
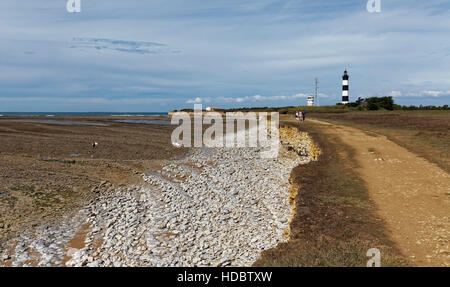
x: 160, y: 55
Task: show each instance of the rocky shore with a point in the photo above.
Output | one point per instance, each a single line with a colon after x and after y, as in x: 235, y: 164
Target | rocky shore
x: 214, y: 207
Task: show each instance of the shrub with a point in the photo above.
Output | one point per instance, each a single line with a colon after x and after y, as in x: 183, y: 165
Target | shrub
x: 376, y: 103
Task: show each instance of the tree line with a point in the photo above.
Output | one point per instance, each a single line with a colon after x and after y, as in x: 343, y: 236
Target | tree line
x: 387, y: 103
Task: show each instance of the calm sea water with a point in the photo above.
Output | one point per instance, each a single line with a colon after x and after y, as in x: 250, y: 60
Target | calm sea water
x: 84, y: 114
x: 55, y: 122
x: 50, y: 115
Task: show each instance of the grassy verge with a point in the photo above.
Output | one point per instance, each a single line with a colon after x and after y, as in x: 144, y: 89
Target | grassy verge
x: 292, y: 109
x: 335, y: 224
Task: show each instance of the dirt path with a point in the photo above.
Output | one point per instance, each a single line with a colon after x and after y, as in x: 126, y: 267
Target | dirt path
x: 412, y: 195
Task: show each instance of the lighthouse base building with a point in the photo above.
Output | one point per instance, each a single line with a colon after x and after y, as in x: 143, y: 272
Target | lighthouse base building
x: 310, y: 101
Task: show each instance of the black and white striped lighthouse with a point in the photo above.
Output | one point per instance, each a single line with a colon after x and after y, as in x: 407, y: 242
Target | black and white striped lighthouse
x: 345, y: 88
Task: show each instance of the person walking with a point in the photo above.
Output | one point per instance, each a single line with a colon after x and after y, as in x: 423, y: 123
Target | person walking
x: 303, y: 115
x: 300, y: 116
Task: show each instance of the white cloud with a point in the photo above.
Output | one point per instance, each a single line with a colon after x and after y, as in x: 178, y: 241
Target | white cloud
x: 395, y: 93
x: 425, y: 93
x: 252, y: 99
x: 435, y: 93
x: 198, y: 100
x: 195, y: 101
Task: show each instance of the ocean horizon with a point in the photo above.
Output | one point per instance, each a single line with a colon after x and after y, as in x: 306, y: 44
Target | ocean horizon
x: 75, y: 114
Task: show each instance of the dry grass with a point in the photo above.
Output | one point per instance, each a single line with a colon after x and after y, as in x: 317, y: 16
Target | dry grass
x: 335, y: 223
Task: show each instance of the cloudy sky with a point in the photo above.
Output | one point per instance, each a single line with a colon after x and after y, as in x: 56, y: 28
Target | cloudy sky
x: 160, y: 55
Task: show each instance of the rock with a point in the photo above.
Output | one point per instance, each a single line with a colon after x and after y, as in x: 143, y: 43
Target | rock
x: 5, y: 257
x: 93, y: 264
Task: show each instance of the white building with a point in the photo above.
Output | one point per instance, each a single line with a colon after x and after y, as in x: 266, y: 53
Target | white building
x: 310, y: 101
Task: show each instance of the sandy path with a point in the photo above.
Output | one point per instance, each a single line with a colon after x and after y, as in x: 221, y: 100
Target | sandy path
x: 412, y: 195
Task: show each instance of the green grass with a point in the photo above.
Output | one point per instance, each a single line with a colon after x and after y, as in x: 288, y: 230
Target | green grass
x: 292, y: 109
x: 10, y: 200
x: 336, y: 109
x: 24, y: 188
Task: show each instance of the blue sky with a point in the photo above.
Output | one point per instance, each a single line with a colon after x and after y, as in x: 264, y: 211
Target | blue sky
x: 161, y: 55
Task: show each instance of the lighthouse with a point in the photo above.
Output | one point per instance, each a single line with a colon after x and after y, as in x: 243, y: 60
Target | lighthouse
x: 345, y: 88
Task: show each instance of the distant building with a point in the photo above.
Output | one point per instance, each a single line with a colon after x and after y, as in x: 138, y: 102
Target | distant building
x: 211, y: 109
x: 345, y: 88
x: 310, y: 101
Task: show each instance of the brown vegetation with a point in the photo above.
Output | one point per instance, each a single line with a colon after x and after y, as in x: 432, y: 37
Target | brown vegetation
x: 426, y: 133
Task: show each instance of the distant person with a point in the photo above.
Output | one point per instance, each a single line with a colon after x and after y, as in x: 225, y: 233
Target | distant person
x: 94, y: 144
x: 303, y: 115
x: 300, y: 116
x: 297, y: 116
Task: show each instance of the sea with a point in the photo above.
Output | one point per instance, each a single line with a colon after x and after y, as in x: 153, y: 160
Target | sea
x: 82, y: 114
x: 49, y: 118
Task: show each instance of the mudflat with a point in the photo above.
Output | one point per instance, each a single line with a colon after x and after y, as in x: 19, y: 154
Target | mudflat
x: 209, y: 207
x: 48, y: 169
